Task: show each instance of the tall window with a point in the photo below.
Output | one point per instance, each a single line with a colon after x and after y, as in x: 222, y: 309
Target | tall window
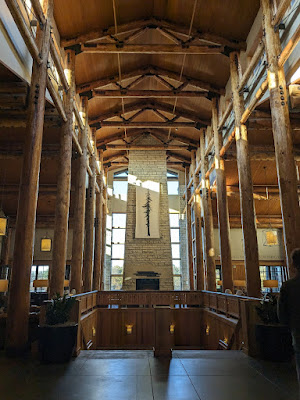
x: 120, y: 184
x: 117, y: 250
x: 38, y: 272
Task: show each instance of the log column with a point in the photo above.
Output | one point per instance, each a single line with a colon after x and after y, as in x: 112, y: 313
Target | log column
x: 97, y: 275
x: 189, y: 230
x: 104, y: 215
x: 19, y: 301
x: 209, y: 247
x: 222, y: 203
x: 60, y: 240
x: 245, y: 185
x: 198, y: 257
x: 89, y: 229
x: 79, y: 212
x: 283, y: 142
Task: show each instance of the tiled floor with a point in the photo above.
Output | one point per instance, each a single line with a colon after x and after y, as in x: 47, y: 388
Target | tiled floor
x: 137, y: 375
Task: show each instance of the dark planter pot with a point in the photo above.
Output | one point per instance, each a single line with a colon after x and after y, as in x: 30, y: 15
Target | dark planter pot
x: 56, y: 343
x: 274, y: 342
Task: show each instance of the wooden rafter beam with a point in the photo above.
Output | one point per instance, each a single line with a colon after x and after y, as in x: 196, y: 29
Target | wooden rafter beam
x: 148, y: 70
x: 169, y: 28
x: 179, y: 157
x: 114, y: 157
x: 147, y: 94
x: 140, y: 147
x: 149, y: 125
x: 108, y: 48
x: 147, y: 105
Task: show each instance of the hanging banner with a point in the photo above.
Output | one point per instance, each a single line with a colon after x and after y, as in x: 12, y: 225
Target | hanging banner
x: 147, y: 211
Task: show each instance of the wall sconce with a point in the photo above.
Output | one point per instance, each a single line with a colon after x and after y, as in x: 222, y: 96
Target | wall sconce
x: 225, y: 340
x: 46, y: 244
x: 93, y: 331
x: 172, y: 329
x: 207, y: 329
x: 129, y: 329
x: 3, y: 223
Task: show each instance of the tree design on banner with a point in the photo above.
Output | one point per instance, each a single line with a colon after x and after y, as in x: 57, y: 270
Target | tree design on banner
x: 147, y: 207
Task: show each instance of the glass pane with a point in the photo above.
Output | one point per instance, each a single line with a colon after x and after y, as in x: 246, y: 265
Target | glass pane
x: 32, y: 277
x: 108, y: 237
x: 116, y: 283
x: 43, y: 271
x: 108, y: 250
x: 175, y: 235
x: 117, y: 267
x: 174, y: 220
x: 176, y: 267
x: 118, y: 235
x: 108, y: 222
x: 120, y: 187
x: 119, y: 220
x: 177, y: 282
x: 117, y: 250
x: 173, y: 187
x: 175, y: 250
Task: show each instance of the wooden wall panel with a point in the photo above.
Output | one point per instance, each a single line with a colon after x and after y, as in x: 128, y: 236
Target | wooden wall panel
x: 187, y: 327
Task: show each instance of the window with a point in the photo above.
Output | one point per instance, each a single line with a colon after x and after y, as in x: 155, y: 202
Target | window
x: 272, y: 272
x: 120, y: 184
x: 39, y: 272
x: 118, y: 230
x: 175, y: 247
x: 173, y: 183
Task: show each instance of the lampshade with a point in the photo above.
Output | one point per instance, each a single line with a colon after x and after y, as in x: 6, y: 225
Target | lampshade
x: 46, y: 244
x: 270, y: 283
x: 239, y: 283
x: 3, y: 223
x: 3, y: 285
x: 40, y: 283
x: 219, y: 282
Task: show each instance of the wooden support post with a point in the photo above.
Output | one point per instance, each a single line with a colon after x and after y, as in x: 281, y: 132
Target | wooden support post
x: 6, y: 247
x: 198, y: 257
x: 97, y: 275
x: 89, y: 230
x: 283, y: 141
x: 79, y: 212
x: 189, y: 231
x: 104, y: 215
x: 19, y: 301
x: 57, y: 275
x: 222, y: 203
x: 245, y: 184
x: 209, y: 248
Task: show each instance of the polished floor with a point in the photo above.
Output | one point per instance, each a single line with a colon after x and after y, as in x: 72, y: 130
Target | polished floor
x: 137, y: 375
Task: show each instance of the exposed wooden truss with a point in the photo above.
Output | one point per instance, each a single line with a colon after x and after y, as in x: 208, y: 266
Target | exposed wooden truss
x: 154, y: 106
x: 179, y: 34
x: 147, y: 71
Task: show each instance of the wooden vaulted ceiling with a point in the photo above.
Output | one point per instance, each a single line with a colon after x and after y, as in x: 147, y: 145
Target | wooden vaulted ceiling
x: 180, y: 23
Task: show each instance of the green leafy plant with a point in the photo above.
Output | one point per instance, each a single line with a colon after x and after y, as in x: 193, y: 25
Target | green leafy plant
x: 267, y: 310
x: 58, y: 311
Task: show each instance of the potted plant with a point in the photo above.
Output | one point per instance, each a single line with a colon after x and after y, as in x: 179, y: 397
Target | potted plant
x: 58, y: 335
x: 274, y: 339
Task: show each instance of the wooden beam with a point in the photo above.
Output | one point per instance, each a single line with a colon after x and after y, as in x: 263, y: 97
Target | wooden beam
x: 24, y: 30
x: 145, y: 148
x: 222, y: 204
x: 179, y: 157
x: 209, y: 247
x: 107, y: 48
x: 79, y: 210
x: 149, y: 105
x: 114, y: 157
x: 254, y: 60
x: 149, y: 70
x: 19, y: 302
x: 89, y: 231
x: 281, y: 10
x: 147, y: 94
x: 59, y: 257
x: 153, y: 23
x: 97, y: 275
x: 56, y: 99
x: 149, y: 125
x: 189, y: 233
x: 246, y: 187
x: 283, y: 140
